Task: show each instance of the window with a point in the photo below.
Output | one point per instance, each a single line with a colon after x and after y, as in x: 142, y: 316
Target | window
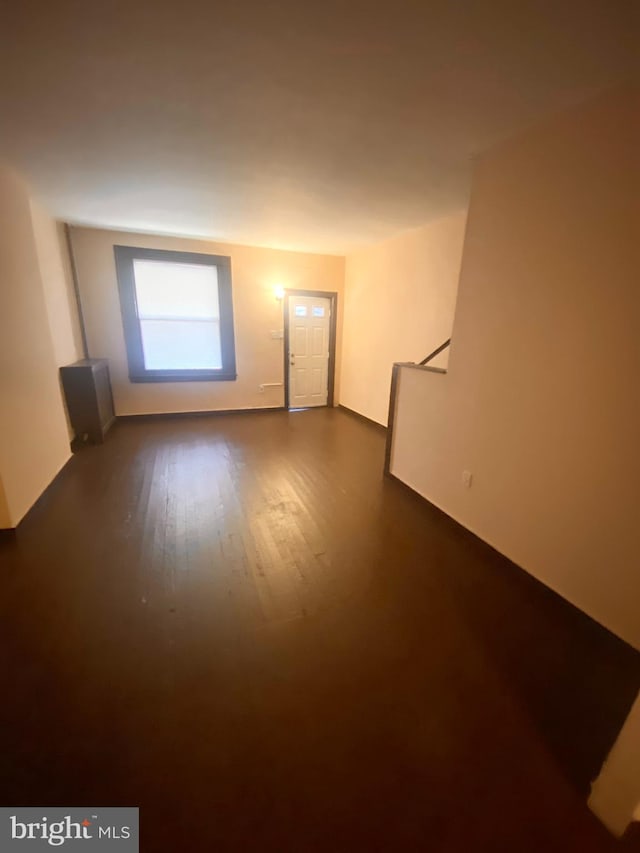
x: 177, y: 314
x: 318, y: 310
x: 300, y: 310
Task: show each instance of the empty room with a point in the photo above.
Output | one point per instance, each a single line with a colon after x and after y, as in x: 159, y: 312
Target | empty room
x: 319, y: 419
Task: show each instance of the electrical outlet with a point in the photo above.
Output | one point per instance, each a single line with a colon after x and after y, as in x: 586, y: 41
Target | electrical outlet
x: 467, y: 479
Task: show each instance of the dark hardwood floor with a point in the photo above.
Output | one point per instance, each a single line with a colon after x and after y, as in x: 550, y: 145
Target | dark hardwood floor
x: 237, y: 624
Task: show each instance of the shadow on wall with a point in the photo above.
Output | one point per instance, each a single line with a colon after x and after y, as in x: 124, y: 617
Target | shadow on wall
x: 574, y: 679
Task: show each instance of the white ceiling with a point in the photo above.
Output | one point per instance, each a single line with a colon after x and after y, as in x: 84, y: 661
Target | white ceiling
x: 306, y: 125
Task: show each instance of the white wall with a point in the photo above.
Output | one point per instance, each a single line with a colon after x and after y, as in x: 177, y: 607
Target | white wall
x: 400, y: 298
x: 34, y: 442
x: 259, y: 357
x: 541, y: 402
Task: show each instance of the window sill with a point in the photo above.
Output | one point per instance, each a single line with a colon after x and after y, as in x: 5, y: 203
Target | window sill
x: 183, y: 376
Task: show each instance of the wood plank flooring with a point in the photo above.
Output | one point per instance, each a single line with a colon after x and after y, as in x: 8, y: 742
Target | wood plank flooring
x: 237, y: 624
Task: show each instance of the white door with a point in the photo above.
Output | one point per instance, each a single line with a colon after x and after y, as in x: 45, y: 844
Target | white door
x: 309, y: 323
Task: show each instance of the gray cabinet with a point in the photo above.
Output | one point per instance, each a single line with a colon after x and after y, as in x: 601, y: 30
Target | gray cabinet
x: 87, y: 390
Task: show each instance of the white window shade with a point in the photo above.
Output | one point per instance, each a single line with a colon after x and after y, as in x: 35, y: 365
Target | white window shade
x: 179, y: 314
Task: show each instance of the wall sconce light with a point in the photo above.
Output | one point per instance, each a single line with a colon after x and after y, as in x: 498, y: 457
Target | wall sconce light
x: 278, y: 292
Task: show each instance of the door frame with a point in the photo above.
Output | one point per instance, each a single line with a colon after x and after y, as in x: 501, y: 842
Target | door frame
x: 332, y: 296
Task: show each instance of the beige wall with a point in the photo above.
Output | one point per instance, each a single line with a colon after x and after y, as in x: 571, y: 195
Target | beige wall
x: 400, y: 298
x: 259, y: 357
x: 57, y: 282
x: 34, y: 442
x: 615, y: 795
x: 5, y: 518
x: 541, y: 401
